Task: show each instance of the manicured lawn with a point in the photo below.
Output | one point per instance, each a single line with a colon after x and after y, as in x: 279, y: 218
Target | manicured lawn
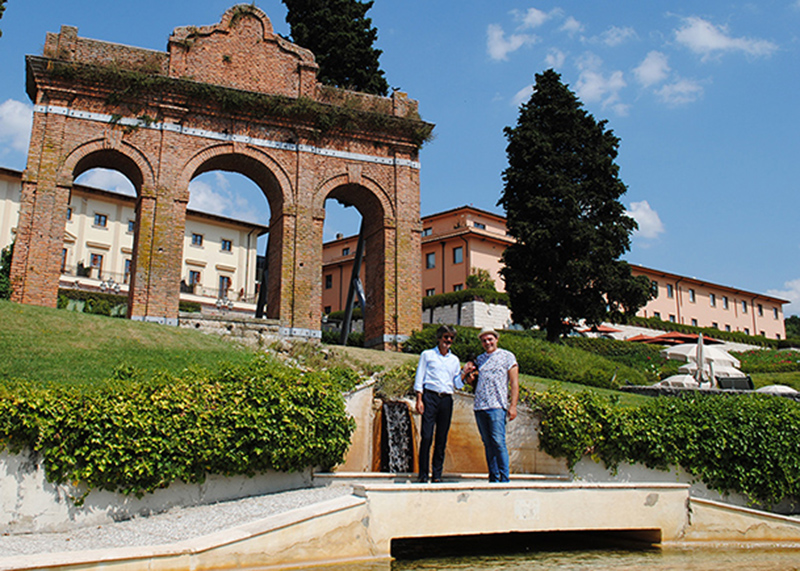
x: 789, y: 379
x: 539, y: 384
x: 51, y: 345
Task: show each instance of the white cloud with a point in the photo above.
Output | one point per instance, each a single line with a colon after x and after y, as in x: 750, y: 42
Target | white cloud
x: 107, y: 179
x: 16, y: 119
x: 555, y: 57
x: 680, y: 92
x: 594, y: 86
x: 615, y: 36
x: 650, y: 225
x: 653, y: 69
x: 708, y: 40
x: 533, y: 18
x: 572, y: 26
x: 522, y: 96
x: 204, y: 198
x: 790, y: 292
x: 499, y: 46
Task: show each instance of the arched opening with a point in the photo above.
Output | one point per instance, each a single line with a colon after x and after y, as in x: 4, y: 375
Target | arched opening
x: 100, y: 230
x: 226, y: 237
x: 352, y: 212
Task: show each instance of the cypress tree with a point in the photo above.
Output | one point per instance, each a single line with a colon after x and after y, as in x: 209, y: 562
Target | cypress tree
x: 561, y: 197
x: 342, y: 39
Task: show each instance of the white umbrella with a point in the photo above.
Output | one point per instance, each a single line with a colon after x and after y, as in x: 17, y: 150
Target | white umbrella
x: 688, y: 352
x: 679, y: 381
x: 719, y: 370
x: 777, y: 390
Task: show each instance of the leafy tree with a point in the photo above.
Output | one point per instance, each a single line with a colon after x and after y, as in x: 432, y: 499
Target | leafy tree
x: 342, y: 38
x: 480, y: 279
x: 792, y: 325
x: 2, y: 9
x: 5, y: 271
x: 561, y: 198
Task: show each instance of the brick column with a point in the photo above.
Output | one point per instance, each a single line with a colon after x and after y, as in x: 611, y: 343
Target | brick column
x: 158, y: 249
x: 35, y: 269
x: 280, y: 260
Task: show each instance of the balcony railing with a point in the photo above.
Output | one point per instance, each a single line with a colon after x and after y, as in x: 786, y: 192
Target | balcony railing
x: 81, y: 277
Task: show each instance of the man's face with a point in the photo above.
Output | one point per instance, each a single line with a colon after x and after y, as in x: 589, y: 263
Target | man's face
x: 489, y: 342
x: 445, y: 341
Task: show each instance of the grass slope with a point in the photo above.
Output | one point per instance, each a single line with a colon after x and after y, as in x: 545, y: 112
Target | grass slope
x: 50, y: 345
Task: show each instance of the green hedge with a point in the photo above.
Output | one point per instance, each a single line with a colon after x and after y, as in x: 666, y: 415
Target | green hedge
x: 538, y: 357
x: 464, y: 296
x: 95, y: 302
x: 133, y: 435
x: 733, y: 336
x: 355, y: 339
x: 745, y: 444
x: 99, y: 303
x: 640, y: 356
x: 768, y: 361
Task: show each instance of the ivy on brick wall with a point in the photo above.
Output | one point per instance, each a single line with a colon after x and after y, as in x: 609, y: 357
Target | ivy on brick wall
x: 132, y: 87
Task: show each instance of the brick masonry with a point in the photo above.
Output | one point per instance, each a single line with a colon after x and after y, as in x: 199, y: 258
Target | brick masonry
x: 162, y: 138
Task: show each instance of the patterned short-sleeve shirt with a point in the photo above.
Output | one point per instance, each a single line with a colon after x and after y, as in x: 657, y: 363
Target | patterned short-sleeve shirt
x: 492, y: 388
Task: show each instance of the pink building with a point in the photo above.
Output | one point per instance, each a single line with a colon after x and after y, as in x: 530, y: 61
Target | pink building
x: 690, y: 301
x: 456, y: 241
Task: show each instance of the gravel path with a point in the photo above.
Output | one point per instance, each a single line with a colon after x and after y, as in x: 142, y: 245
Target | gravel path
x: 177, y: 524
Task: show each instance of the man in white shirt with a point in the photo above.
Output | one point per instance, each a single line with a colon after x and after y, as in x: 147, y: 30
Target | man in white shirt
x: 438, y: 375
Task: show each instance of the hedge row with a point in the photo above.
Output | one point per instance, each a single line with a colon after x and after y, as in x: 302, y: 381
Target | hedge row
x: 464, y: 296
x: 745, y: 444
x: 733, y: 336
x: 133, y: 435
x: 538, y: 357
x: 639, y: 356
x: 100, y: 303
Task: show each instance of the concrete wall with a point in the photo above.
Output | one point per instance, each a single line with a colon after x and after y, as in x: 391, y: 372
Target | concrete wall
x: 465, y: 453
x: 471, y: 314
x: 31, y: 504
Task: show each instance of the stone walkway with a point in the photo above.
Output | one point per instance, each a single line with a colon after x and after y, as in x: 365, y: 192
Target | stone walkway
x: 177, y: 524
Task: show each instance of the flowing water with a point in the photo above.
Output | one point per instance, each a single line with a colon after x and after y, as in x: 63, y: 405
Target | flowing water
x: 399, y: 447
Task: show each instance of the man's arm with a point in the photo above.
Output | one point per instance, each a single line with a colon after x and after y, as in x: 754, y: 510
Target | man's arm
x: 513, y: 396
x: 419, y: 382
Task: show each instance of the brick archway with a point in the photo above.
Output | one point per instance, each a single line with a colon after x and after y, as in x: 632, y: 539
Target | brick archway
x: 233, y: 96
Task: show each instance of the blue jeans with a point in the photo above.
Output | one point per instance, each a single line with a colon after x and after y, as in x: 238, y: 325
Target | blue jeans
x: 492, y: 426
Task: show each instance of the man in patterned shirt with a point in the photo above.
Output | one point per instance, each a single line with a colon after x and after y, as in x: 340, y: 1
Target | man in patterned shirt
x: 496, y: 395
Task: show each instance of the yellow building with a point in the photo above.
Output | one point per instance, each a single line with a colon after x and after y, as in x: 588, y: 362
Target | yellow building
x: 219, y: 254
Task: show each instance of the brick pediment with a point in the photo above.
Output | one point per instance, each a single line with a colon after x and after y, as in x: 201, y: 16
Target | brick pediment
x: 242, y: 52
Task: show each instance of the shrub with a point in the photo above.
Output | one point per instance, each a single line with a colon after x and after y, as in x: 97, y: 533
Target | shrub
x: 734, y: 336
x: 639, y: 356
x: 537, y: 357
x: 134, y: 436
x: 768, y: 361
x: 94, y: 302
x: 464, y: 296
x: 189, y: 306
x: 745, y: 444
x: 5, y: 271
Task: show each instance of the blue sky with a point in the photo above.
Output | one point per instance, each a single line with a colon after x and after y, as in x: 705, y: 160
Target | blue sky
x: 702, y: 95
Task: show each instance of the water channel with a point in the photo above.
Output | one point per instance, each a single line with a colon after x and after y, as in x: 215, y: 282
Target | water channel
x: 672, y: 559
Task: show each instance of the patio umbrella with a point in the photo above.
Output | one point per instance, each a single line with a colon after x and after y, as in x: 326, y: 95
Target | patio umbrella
x: 688, y: 352
x: 777, y: 390
x: 678, y: 381
x: 719, y: 370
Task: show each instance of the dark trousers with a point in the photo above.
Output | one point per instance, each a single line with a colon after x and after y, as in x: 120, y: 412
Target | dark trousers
x: 435, y: 418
